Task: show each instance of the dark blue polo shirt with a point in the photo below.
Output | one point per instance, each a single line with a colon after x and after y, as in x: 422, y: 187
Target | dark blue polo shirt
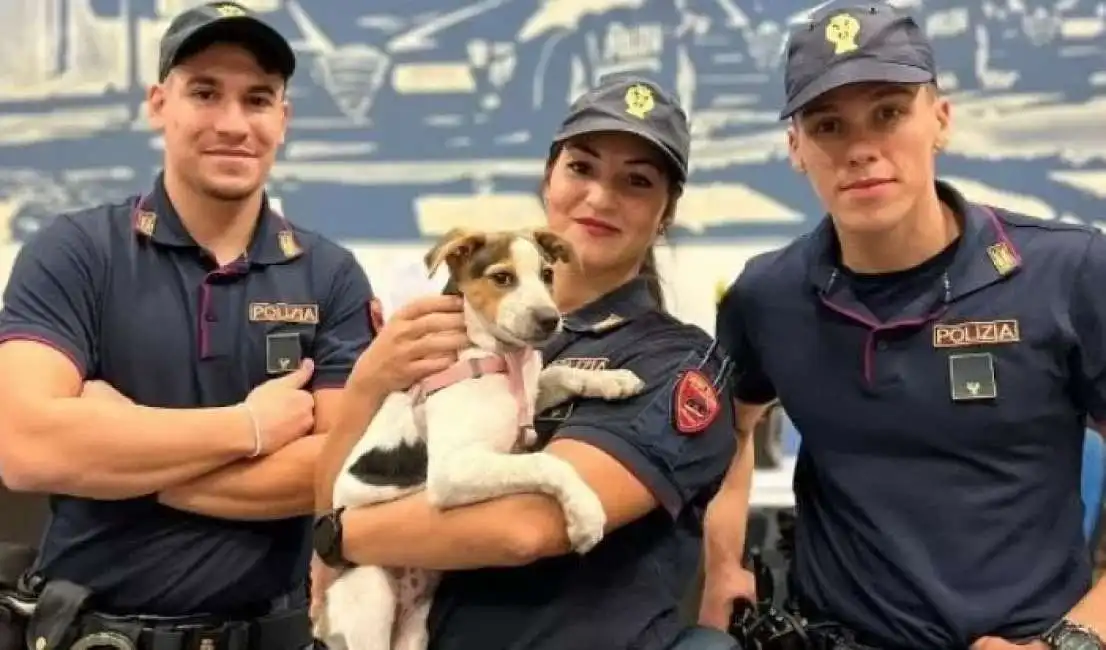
x: 126, y: 293
x: 625, y: 592
x: 938, y: 482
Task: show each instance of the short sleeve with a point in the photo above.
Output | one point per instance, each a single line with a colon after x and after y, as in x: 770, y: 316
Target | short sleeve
x: 751, y: 384
x: 53, y: 292
x: 345, y: 327
x: 1088, y: 318
x: 642, y: 432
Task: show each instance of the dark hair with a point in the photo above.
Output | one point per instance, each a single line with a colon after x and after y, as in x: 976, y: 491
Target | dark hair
x: 649, y: 265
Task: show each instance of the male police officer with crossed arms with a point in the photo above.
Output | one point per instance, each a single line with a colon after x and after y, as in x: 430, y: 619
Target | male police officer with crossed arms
x: 940, y: 359
x: 209, y: 338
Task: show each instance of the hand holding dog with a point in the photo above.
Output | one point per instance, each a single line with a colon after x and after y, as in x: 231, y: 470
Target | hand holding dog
x: 422, y: 338
x: 322, y: 577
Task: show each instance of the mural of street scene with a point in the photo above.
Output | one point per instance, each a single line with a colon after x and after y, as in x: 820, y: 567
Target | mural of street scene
x: 415, y: 116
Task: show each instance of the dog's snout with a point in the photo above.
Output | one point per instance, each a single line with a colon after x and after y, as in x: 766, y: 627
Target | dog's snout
x: 547, y: 320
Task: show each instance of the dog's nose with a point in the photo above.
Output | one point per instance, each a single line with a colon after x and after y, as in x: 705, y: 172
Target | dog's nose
x: 547, y: 320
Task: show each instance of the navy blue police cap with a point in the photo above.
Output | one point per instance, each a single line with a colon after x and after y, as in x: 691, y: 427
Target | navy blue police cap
x: 194, y: 30
x: 871, y: 42
x: 635, y: 105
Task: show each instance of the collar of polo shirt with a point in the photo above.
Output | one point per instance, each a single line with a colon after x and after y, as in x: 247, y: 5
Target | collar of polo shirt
x: 613, y: 310
x: 984, y: 256
x: 274, y: 241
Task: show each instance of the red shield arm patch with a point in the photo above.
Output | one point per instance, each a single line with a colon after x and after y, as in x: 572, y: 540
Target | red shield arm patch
x: 695, y: 403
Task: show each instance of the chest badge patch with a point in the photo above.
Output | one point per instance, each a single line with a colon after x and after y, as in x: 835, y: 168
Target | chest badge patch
x: 695, y: 403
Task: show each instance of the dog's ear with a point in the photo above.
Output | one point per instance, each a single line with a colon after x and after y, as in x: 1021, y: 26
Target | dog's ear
x: 554, y: 246
x: 454, y: 248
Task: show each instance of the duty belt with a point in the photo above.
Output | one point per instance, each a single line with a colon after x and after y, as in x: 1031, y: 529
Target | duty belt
x: 282, y: 630
x: 57, y: 618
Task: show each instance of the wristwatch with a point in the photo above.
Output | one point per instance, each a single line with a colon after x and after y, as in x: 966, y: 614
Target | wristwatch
x: 1066, y: 635
x: 327, y: 540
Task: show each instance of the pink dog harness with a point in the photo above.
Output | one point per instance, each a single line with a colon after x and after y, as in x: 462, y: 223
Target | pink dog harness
x: 510, y: 364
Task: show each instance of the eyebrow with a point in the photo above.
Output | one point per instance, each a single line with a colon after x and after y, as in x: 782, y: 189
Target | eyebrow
x: 256, y: 89
x: 634, y: 161
x: 876, y: 94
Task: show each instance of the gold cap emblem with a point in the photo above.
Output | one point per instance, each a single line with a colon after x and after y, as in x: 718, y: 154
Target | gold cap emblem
x: 229, y: 10
x: 841, y: 32
x: 639, y: 100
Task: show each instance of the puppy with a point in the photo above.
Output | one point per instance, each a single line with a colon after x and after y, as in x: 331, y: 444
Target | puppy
x: 454, y: 434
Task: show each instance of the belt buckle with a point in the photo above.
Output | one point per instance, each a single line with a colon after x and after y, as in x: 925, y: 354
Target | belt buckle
x: 234, y: 635
x: 204, y: 637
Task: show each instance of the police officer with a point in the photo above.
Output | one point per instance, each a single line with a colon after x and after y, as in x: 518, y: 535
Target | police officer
x: 941, y: 359
x: 611, y: 186
x: 165, y: 360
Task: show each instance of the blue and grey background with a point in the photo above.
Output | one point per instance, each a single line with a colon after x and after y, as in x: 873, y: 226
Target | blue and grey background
x: 415, y: 116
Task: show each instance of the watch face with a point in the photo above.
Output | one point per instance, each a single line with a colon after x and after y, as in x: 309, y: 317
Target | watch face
x: 1079, y: 640
x: 324, y: 534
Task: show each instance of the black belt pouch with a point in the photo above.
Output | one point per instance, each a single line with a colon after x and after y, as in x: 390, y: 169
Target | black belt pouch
x: 15, y: 561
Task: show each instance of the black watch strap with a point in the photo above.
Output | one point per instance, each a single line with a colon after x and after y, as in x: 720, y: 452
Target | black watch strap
x: 327, y: 539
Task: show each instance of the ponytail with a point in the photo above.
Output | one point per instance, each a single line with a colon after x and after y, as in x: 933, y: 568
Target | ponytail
x: 652, y: 277
x: 649, y: 269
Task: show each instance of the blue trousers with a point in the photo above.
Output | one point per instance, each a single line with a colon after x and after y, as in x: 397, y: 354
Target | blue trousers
x: 704, y: 638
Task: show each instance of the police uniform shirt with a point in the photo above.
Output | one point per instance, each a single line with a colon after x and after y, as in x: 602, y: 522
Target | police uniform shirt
x: 130, y: 298
x: 625, y: 592
x: 938, y: 478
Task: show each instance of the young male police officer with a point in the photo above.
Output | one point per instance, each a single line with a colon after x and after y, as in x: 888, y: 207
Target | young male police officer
x: 940, y: 358
x: 210, y: 337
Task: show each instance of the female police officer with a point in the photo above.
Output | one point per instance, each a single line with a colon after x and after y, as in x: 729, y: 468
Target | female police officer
x: 611, y: 184
x: 940, y: 358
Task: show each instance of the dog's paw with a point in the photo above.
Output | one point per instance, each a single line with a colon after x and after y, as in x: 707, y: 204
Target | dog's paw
x: 617, y: 384
x: 586, y: 519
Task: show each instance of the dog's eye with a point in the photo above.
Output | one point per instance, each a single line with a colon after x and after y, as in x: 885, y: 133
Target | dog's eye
x: 503, y: 279
x: 547, y: 275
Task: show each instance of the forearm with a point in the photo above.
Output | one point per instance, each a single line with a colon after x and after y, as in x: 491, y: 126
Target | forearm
x: 357, y: 408
x: 510, y: 531
x: 275, y: 487
x: 728, y: 513
x: 1091, y: 610
x: 110, y: 450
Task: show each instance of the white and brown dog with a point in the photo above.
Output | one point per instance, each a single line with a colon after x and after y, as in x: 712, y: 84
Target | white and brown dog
x: 456, y: 434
